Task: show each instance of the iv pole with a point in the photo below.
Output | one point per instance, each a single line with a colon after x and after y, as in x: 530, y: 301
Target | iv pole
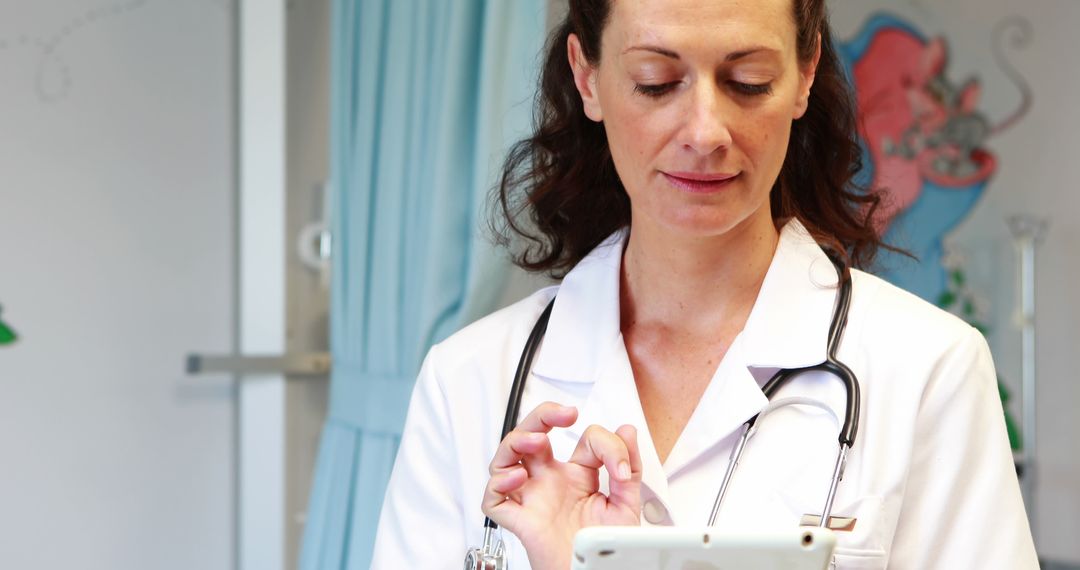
x: 1028, y: 232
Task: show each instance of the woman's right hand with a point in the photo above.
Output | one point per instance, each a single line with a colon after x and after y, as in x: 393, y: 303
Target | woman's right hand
x: 544, y: 502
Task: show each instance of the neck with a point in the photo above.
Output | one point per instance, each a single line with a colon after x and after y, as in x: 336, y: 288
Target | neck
x: 699, y: 285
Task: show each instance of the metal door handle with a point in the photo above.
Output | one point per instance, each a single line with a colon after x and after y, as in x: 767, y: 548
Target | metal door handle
x: 305, y: 364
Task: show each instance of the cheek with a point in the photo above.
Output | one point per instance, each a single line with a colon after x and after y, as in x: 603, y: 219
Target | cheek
x: 636, y: 136
x: 763, y: 137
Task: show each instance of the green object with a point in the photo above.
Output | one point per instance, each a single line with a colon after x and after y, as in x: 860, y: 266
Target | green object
x: 7, y: 336
x: 1015, y: 441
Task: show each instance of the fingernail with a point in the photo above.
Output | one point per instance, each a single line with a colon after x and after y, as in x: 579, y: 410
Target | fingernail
x: 624, y: 470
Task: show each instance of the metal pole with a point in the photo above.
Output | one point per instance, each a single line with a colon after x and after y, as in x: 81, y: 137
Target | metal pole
x: 1028, y: 232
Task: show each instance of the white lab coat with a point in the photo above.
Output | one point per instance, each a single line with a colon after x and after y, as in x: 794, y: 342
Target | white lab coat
x: 930, y: 478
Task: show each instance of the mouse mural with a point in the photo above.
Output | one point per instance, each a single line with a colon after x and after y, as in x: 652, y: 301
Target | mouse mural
x: 923, y: 139
x: 923, y: 136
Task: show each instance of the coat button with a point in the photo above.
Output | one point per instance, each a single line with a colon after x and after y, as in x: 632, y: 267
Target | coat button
x: 654, y: 512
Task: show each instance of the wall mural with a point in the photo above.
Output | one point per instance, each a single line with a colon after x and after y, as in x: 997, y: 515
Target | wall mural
x: 923, y: 140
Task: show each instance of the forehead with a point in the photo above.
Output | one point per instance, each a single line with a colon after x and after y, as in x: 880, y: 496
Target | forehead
x: 692, y: 25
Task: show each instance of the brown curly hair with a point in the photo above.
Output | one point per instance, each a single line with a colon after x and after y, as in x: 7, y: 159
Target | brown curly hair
x: 560, y: 192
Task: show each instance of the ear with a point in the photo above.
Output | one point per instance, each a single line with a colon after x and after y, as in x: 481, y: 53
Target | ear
x: 806, y: 81
x: 969, y: 96
x: 932, y: 61
x: 584, y: 78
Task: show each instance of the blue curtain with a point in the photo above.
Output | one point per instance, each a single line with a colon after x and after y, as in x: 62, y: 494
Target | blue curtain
x: 426, y: 97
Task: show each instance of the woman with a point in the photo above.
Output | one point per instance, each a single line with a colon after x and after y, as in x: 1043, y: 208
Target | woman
x: 691, y: 161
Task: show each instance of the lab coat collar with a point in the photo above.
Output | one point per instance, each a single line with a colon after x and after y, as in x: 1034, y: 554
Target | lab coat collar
x: 583, y: 344
x: 789, y: 324
x: 614, y: 401
x: 732, y: 397
x: 584, y: 323
x: 787, y: 328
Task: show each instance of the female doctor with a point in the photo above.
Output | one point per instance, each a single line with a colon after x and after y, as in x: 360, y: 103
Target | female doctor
x: 690, y: 169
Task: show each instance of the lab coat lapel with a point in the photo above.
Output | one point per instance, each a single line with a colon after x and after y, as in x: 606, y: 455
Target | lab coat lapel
x: 732, y: 397
x: 614, y: 401
x: 584, y: 345
x: 584, y: 321
x: 789, y: 324
x: 787, y: 328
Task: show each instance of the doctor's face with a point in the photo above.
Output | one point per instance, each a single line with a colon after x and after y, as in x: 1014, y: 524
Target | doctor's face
x: 697, y: 100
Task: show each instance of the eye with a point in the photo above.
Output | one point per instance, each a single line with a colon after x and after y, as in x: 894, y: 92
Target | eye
x: 654, y: 91
x: 751, y: 89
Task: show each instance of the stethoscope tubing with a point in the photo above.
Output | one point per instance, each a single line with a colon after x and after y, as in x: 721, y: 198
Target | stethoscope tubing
x: 832, y: 365
x: 518, y: 387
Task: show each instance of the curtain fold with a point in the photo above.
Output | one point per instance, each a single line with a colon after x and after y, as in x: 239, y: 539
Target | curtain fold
x: 426, y: 95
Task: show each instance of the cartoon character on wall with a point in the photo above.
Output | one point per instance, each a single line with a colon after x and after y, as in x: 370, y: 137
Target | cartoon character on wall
x: 923, y: 138
x: 7, y: 335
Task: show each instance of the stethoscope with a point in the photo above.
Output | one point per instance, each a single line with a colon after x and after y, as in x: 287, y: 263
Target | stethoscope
x: 492, y: 555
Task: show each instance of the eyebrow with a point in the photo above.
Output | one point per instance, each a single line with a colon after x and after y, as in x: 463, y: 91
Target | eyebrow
x: 733, y: 56
x: 654, y: 49
x: 747, y: 52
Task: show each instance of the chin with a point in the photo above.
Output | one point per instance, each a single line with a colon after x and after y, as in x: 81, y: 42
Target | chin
x: 701, y: 225
x: 713, y: 221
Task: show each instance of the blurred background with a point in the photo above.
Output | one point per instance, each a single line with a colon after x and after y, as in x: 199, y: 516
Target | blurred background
x: 189, y: 187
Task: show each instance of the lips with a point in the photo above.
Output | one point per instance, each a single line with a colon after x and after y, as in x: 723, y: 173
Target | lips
x: 700, y: 182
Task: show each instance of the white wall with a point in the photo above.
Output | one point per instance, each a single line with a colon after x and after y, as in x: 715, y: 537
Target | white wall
x: 1036, y: 175
x: 262, y: 187
x: 115, y: 261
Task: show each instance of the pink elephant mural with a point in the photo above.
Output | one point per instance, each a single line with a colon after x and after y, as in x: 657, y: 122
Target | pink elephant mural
x: 924, y: 141
x: 923, y: 137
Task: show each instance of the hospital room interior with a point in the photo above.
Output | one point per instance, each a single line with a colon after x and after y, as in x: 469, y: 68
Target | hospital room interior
x: 230, y: 230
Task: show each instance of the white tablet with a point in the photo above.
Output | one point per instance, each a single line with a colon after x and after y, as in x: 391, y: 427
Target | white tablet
x: 682, y: 548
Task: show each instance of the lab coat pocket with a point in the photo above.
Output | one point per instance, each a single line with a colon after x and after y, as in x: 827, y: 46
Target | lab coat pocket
x: 861, y: 543
x: 856, y: 559
x: 861, y: 546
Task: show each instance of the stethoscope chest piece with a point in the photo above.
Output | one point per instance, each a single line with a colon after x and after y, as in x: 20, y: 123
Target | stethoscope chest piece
x: 490, y: 556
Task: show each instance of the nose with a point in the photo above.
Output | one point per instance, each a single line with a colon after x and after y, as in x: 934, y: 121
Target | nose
x: 706, y: 129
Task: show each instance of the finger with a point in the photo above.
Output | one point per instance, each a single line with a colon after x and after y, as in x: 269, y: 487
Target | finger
x: 547, y: 416
x: 497, y: 504
x: 529, y: 437
x: 628, y: 434
x: 507, y: 482
x: 627, y: 493
x: 517, y: 446
x: 599, y: 446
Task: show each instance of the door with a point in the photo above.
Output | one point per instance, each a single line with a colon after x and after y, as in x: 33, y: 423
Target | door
x: 117, y: 257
